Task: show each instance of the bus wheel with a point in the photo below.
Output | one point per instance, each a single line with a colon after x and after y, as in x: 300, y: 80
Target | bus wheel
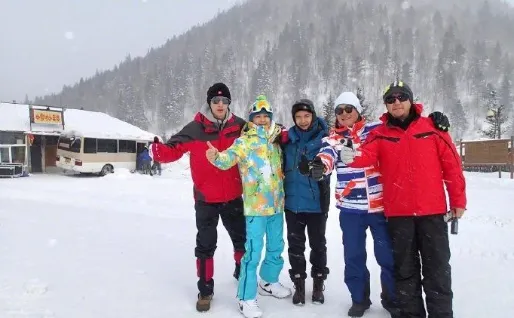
x: 106, y: 169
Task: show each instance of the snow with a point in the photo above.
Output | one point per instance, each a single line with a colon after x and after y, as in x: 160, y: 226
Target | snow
x: 69, y: 35
x: 101, y: 125
x: 15, y: 117
x: 122, y: 246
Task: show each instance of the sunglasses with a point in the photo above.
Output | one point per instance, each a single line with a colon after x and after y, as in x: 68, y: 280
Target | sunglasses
x: 223, y: 99
x: 400, y: 97
x: 344, y: 109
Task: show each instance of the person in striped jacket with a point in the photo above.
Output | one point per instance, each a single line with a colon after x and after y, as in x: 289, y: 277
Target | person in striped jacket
x: 359, y: 199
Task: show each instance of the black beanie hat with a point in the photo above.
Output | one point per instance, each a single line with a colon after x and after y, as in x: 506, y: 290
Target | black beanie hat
x: 218, y: 89
x: 303, y: 104
x: 398, y: 87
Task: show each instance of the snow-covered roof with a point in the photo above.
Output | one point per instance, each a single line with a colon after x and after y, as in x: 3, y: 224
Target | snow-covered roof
x: 100, y: 125
x: 15, y: 117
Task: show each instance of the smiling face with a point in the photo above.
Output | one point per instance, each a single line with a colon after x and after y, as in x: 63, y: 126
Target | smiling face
x: 346, y: 115
x: 261, y: 119
x: 303, y: 119
x: 398, y: 105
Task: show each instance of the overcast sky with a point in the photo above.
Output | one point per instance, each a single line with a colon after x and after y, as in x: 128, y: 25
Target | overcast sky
x: 45, y: 44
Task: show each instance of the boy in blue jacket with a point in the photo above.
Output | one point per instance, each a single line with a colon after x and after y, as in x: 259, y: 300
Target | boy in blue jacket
x: 307, y: 201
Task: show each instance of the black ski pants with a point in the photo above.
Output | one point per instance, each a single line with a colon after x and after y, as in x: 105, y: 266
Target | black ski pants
x: 421, y: 246
x: 316, y: 224
x: 207, y: 218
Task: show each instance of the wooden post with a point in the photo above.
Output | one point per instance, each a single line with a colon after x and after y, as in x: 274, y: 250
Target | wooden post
x: 43, y: 149
x: 460, y: 151
x: 511, y: 157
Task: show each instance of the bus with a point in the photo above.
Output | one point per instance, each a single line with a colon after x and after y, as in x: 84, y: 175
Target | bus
x: 97, y: 155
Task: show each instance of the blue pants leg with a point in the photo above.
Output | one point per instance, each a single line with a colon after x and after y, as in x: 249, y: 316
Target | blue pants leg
x: 356, y: 274
x: 255, y: 230
x: 273, y: 261
x: 383, y: 252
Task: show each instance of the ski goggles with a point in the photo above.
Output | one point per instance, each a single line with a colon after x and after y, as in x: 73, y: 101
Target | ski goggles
x: 340, y: 109
x: 260, y: 105
x: 223, y: 99
x: 392, y: 98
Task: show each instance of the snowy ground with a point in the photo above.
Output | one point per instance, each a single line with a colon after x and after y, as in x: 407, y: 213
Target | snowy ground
x: 122, y: 246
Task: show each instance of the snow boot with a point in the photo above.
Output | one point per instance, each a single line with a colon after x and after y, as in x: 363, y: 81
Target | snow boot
x: 203, y: 303
x: 276, y: 290
x: 358, y: 309
x: 299, y: 293
x: 250, y: 308
x: 317, y: 291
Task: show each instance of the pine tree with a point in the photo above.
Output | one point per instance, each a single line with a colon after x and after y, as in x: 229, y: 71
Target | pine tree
x: 496, y: 123
x: 459, y: 123
x: 367, y: 112
x: 497, y: 114
x: 328, y: 111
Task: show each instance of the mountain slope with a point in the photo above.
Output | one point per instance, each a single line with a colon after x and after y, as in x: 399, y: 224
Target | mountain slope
x: 453, y: 55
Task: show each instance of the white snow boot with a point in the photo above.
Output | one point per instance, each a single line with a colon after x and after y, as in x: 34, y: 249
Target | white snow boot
x: 276, y: 290
x: 250, y: 308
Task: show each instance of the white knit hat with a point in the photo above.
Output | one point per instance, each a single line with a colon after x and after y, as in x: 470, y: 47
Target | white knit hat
x: 348, y: 98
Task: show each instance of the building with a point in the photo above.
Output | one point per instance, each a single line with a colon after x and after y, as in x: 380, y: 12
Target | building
x: 29, y: 134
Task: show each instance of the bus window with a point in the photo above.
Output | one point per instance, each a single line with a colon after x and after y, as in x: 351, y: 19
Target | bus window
x: 127, y: 146
x: 89, y: 145
x: 107, y: 145
x: 140, y: 146
x: 69, y: 144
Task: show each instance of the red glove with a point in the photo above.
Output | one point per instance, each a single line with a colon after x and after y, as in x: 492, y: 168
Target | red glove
x: 284, y: 136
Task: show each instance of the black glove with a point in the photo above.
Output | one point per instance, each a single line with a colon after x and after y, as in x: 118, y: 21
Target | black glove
x: 303, y: 166
x: 440, y: 120
x: 317, y: 169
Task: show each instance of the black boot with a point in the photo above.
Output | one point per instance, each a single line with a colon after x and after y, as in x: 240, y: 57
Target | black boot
x: 299, y: 293
x: 358, y: 309
x: 317, y: 291
x: 237, y: 271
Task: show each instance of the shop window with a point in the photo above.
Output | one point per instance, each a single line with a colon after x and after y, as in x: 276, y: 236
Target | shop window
x: 4, y: 155
x: 11, y: 138
x: 18, y: 154
x: 107, y: 145
x: 128, y: 146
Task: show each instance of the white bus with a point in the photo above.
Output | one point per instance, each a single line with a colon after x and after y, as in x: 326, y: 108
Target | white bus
x: 97, y: 155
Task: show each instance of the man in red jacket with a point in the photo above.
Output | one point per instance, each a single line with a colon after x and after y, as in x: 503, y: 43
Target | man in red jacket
x: 416, y: 160
x: 217, y: 193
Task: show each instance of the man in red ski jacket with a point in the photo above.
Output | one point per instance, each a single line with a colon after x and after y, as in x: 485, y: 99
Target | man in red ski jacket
x: 416, y: 161
x: 217, y: 193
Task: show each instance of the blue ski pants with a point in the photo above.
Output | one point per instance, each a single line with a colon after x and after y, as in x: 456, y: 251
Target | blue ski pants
x: 356, y: 274
x: 256, y: 228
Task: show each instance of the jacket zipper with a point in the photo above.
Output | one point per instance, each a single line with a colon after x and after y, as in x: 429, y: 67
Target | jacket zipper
x: 220, y: 146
